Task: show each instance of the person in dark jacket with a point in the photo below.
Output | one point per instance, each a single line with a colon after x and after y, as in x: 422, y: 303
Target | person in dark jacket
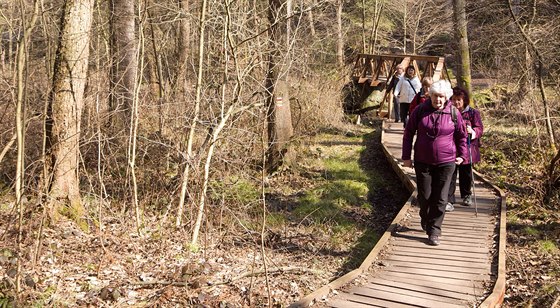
x: 441, y: 143
x: 473, y: 123
x: 399, y: 72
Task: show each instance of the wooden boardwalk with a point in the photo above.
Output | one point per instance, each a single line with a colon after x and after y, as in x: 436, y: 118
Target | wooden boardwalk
x: 402, y: 270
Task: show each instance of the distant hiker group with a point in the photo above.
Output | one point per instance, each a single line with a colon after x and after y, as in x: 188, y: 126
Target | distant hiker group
x: 447, y: 143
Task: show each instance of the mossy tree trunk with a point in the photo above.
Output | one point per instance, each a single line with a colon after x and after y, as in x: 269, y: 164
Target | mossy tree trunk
x: 65, y: 108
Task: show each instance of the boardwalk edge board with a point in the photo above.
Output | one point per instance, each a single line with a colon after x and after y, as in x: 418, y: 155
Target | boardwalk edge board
x: 494, y: 299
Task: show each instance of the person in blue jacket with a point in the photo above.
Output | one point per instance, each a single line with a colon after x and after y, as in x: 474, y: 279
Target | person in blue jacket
x: 441, y: 143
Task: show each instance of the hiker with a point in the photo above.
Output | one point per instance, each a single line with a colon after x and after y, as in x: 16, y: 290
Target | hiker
x: 405, y: 91
x: 421, y: 96
x: 473, y: 122
x: 441, y: 143
x: 397, y: 75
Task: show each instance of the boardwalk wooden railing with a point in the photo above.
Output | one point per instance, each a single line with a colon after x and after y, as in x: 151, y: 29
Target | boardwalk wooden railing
x: 394, y: 289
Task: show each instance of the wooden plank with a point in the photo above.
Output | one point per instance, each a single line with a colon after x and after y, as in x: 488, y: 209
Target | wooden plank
x: 467, y: 236
x: 442, y: 267
x: 420, y: 236
x: 383, y: 302
x: 439, y: 68
x: 451, y: 247
x: 442, y: 252
x: 436, y: 272
x: 407, y: 296
x: 475, y: 290
x: 374, y: 295
x: 475, y: 284
x: 436, y: 290
x: 467, y: 263
x: 341, y: 303
x: 439, y: 257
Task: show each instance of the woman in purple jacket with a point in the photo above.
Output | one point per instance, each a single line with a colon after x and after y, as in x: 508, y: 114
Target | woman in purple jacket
x: 473, y: 123
x: 441, y: 143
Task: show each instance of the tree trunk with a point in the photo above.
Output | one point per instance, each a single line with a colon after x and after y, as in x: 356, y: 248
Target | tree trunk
x: 464, y: 76
x: 124, y: 64
x: 405, y: 16
x: 20, y: 130
x: 340, y: 39
x: 375, y: 29
x: 311, y: 20
x: 65, y: 108
x: 279, y: 126
x: 539, y: 74
x: 183, y: 47
x: 189, y: 160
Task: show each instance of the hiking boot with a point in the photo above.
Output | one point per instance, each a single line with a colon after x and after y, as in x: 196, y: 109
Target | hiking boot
x: 433, y: 240
x: 467, y: 201
x: 449, y: 207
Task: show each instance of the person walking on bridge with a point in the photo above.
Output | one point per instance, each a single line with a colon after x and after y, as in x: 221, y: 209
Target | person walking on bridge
x: 399, y: 71
x: 441, y: 143
x: 405, y: 90
x: 422, y: 96
x: 472, y: 120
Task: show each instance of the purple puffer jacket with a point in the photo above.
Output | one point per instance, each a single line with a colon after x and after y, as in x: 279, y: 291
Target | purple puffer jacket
x: 438, y: 140
x: 471, y: 117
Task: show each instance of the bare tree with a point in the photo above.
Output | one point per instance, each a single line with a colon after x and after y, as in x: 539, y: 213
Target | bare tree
x: 184, y: 42
x: 124, y: 62
x: 65, y: 107
x: 339, y: 33
x: 196, y: 115
x: 464, y: 67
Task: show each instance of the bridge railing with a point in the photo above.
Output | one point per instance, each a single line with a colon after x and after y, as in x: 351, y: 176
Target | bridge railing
x: 379, y: 69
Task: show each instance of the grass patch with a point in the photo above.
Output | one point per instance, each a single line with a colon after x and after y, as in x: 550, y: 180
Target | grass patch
x: 345, y: 188
x: 531, y: 231
x: 548, y: 246
x: 236, y: 190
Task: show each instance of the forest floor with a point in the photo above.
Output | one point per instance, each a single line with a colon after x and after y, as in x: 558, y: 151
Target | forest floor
x: 323, y: 217
x: 510, y: 159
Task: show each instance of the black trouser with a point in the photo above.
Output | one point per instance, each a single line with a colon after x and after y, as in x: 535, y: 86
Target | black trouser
x: 404, y: 112
x: 465, y: 182
x: 433, y: 186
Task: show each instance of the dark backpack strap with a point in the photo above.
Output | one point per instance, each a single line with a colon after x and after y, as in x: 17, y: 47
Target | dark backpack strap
x: 410, y: 83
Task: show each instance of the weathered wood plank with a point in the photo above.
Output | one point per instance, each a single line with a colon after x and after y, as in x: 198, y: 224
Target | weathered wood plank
x: 442, y: 291
x: 467, y: 264
x: 408, y: 296
x: 439, y: 257
x: 449, y: 246
x: 406, y: 299
x: 475, y: 285
x: 441, y: 267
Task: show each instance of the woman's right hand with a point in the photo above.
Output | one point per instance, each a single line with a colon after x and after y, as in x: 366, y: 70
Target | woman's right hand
x: 407, y: 163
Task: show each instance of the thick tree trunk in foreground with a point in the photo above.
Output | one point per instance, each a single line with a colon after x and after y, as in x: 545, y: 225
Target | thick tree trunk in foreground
x: 65, y: 107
